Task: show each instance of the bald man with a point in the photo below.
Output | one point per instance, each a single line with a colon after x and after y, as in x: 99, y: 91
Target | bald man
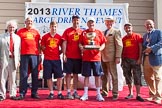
x: 152, y: 40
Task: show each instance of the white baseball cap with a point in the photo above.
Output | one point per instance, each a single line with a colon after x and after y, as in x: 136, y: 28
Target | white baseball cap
x: 91, y: 19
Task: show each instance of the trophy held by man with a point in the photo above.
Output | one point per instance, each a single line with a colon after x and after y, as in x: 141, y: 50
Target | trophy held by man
x: 91, y: 42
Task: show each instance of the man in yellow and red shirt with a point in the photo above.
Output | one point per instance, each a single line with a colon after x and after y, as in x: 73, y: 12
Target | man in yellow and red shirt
x: 30, y: 39
x: 72, y: 55
x: 92, y: 57
x: 51, y: 44
x: 131, y: 60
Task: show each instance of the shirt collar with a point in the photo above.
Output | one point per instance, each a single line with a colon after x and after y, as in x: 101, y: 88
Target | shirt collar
x: 150, y: 31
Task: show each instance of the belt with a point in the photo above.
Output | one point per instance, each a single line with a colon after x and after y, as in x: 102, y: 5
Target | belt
x: 11, y: 56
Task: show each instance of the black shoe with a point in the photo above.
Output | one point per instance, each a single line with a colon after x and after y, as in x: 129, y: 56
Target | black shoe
x: 35, y: 96
x: 60, y: 96
x: 69, y: 96
x: 12, y: 97
x: 139, y: 99
x: 115, y: 97
x: 103, y: 94
x: 21, y: 97
x: 1, y: 98
x: 76, y: 96
x: 50, y: 96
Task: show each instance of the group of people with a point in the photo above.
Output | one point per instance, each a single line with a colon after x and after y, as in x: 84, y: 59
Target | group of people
x: 87, y: 52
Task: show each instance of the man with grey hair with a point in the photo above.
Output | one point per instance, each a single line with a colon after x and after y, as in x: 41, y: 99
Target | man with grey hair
x: 30, y: 49
x: 9, y: 59
x: 111, y: 56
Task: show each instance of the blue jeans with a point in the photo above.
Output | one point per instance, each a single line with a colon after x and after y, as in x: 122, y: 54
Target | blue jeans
x: 28, y: 61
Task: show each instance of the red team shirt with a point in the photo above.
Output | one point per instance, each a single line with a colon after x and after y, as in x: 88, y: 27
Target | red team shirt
x: 92, y: 55
x: 72, y: 36
x: 131, y: 46
x: 51, y: 45
x: 29, y: 41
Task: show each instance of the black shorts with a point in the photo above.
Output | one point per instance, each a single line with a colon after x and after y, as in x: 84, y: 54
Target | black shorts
x: 52, y: 66
x: 72, y: 66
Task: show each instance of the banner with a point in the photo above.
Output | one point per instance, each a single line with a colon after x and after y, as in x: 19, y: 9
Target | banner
x: 44, y: 13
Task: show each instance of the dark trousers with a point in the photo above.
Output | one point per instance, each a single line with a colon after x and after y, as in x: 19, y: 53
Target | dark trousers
x: 26, y: 62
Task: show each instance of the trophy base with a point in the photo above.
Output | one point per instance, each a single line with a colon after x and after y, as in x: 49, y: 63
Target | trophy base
x: 91, y: 47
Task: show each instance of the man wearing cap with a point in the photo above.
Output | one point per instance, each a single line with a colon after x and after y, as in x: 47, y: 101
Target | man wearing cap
x: 92, y: 42
x: 72, y: 56
x: 152, y: 40
x: 111, y: 56
x: 131, y: 60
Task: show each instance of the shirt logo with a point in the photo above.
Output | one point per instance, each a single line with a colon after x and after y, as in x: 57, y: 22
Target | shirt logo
x: 128, y: 43
x: 29, y: 36
x: 53, y: 42
x: 76, y: 37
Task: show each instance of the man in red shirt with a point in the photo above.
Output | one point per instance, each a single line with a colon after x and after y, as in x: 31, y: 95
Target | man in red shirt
x: 50, y: 44
x: 72, y: 56
x: 92, y: 38
x: 30, y: 39
x: 131, y: 60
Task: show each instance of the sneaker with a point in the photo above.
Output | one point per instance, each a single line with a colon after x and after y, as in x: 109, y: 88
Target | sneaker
x: 69, y: 96
x: 50, y: 96
x: 157, y: 101
x: 150, y: 99
x: 21, y: 97
x: 60, y: 96
x: 100, y: 98
x: 115, y: 97
x: 76, y: 96
x: 84, y: 97
x: 139, y: 98
x: 129, y: 96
